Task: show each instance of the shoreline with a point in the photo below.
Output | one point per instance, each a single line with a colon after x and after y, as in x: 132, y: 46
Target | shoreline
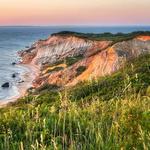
x: 28, y: 78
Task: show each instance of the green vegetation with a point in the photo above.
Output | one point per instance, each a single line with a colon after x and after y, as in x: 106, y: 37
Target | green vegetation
x: 53, y: 64
x: 55, y: 69
x: 104, y: 36
x: 46, y: 88
x: 72, y: 60
x: 80, y: 70
x: 68, y: 61
x: 109, y: 113
x: 133, y: 78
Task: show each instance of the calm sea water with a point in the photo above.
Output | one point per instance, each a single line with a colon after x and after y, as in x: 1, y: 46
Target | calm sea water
x: 13, y: 39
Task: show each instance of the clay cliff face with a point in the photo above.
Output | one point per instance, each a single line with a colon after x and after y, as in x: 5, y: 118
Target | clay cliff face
x: 57, y: 48
x: 99, y: 58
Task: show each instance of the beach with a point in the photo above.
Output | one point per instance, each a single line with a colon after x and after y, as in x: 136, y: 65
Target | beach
x: 28, y: 78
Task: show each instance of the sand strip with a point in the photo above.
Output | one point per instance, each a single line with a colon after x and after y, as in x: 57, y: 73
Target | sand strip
x: 28, y: 78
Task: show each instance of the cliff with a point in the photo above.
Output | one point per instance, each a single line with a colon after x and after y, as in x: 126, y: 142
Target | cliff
x: 66, y: 59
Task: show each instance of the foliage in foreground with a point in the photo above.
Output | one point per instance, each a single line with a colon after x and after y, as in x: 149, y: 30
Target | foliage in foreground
x: 113, y: 124
x: 75, y: 121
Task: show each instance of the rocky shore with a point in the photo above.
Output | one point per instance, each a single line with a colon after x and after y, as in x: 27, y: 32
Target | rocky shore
x: 23, y: 84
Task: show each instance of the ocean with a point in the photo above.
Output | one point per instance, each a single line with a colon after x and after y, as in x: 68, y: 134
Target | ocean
x: 13, y: 39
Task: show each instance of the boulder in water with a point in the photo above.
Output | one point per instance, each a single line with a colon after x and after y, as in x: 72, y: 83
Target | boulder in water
x: 14, y: 75
x: 13, y: 63
x: 6, y: 85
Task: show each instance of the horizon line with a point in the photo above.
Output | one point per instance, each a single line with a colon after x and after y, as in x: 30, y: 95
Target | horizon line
x: 113, y: 25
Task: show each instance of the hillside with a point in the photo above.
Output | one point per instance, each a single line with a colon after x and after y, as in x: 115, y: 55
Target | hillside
x: 65, y: 59
x: 90, y: 95
x: 54, y: 120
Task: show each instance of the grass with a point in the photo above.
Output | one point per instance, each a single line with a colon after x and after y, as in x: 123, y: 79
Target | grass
x: 60, y: 65
x: 134, y: 77
x: 109, y: 113
x: 114, y: 124
x: 72, y: 60
x: 46, y: 87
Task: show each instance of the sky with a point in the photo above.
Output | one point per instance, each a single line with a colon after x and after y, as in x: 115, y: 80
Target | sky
x: 74, y: 12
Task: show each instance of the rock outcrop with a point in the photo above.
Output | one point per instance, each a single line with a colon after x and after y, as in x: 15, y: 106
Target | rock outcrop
x: 100, y: 58
x: 5, y: 85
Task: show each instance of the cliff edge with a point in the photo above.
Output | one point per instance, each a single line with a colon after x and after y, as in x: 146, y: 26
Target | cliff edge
x: 67, y: 58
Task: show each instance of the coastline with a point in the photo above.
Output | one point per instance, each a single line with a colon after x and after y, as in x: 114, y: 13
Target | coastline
x: 28, y: 78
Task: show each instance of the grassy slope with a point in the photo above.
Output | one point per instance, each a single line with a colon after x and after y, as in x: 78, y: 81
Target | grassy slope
x: 110, y: 113
x: 134, y: 77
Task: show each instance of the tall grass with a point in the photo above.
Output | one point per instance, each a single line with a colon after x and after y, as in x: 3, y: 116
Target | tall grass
x: 114, y: 124
x: 84, y: 120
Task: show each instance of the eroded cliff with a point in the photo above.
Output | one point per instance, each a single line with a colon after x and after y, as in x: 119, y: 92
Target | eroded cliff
x: 67, y: 60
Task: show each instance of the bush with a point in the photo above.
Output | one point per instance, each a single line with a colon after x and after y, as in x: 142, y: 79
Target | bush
x: 80, y: 70
x: 47, y: 87
x: 72, y: 60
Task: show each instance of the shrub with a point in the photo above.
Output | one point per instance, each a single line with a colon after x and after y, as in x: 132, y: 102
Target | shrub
x: 72, y: 60
x: 47, y: 87
x: 80, y: 70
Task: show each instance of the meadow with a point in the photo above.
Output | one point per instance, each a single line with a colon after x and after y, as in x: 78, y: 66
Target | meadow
x: 110, y: 113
